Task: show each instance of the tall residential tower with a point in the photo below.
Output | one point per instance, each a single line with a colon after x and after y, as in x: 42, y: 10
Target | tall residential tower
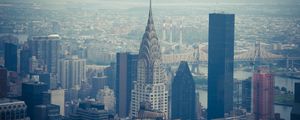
x: 263, y: 93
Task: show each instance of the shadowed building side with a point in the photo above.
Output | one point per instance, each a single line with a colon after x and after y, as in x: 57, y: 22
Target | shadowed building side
x: 183, y: 94
x: 220, y: 64
x: 126, y: 74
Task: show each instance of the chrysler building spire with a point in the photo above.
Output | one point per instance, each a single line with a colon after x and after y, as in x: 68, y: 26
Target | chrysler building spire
x: 150, y: 49
x: 150, y: 19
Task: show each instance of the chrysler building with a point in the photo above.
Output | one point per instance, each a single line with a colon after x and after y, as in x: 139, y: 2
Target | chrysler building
x: 151, y: 84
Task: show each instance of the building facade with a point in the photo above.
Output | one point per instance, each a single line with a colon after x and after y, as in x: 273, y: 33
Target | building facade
x: 98, y: 82
x: 183, y: 96
x: 107, y: 97
x: 246, y: 94
x: 90, y: 110
x: 11, y: 56
x: 71, y: 72
x: 295, y: 113
x: 220, y: 64
x: 46, y: 49
x: 3, y: 82
x: 24, y: 60
x: 126, y: 74
x: 46, y: 112
x: 13, y: 109
x: 32, y: 94
x: 151, y: 83
x: 263, y: 93
x: 56, y: 97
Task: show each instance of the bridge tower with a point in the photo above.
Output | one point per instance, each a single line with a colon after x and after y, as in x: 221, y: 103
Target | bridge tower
x: 196, y: 55
x: 257, y: 58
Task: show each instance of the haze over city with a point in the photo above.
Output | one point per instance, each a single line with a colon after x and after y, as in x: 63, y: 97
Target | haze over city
x: 149, y: 59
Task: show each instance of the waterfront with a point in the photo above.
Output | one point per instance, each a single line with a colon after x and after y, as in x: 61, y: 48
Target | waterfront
x: 286, y: 82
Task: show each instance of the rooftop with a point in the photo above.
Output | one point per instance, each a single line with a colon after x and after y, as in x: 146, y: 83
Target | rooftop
x: 9, y: 101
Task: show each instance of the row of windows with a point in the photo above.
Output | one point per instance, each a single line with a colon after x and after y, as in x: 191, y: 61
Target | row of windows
x: 11, y: 115
x: 12, y: 106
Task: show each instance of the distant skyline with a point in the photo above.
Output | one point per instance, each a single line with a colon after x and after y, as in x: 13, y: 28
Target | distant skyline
x: 155, y: 2
x: 168, y: 8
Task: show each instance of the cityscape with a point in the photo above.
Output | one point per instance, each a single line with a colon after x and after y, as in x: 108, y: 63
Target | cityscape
x: 149, y: 60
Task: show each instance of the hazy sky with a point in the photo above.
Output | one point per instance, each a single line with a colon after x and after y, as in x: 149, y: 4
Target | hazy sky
x: 167, y: 1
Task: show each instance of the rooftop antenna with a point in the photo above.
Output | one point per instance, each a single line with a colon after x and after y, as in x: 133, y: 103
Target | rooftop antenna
x: 150, y: 11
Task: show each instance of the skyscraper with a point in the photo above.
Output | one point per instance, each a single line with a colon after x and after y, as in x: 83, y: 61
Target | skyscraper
x: 24, y: 60
x: 72, y: 72
x: 151, y: 79
x: 11, y: 56
x: 126, y: 74
x: 46, y: 49
x: 263, y: 93
x: 220, y: 64
x: 32, y: 94
x: 7, y: 39
x: 183, y: 94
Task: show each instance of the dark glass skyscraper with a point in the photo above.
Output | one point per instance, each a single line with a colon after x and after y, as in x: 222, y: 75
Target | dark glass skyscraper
x: 183, y: 94
x: 24, y: 60
x: 32, y: 94
x: 220, y: 64
x: 126, y: 73
x: 10, y: 56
